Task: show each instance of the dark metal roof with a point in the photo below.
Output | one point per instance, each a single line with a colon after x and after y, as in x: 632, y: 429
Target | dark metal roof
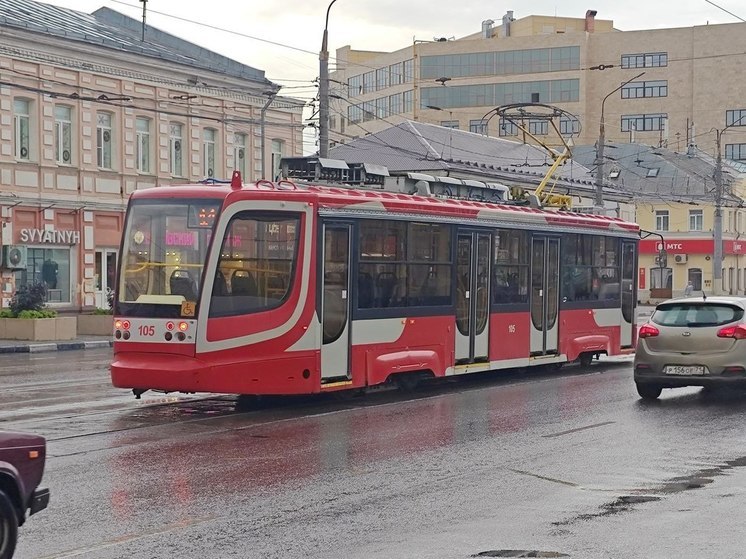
x: 652, y: 173
x: 112, y: 30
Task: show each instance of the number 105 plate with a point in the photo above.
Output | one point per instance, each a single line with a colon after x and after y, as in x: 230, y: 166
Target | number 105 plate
x: 685, y: 370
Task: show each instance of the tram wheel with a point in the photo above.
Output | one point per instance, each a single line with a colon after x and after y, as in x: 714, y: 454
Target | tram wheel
x: 246, y: 402
x: 585, y: 359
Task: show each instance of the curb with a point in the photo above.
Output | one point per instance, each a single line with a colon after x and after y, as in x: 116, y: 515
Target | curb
x: 58, y: 346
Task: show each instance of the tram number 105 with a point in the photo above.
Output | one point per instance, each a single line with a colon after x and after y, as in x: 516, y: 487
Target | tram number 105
x: 146, y: 330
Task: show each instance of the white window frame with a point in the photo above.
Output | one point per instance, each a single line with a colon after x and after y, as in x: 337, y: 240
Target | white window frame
x: 104, y: 140
x: 22, y: 129
x: 142, y: 144
x: 696, y: 220
x: 63, y: 134
x: 239, y: 154
x: 662, y: 220
x: 209, y: 142
x: 176, y: 149
x: 278, y: 147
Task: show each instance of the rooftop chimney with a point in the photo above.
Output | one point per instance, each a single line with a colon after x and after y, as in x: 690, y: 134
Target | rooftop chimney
x: 487, y: 29
x: 507, y: 18
x: 590, y: 21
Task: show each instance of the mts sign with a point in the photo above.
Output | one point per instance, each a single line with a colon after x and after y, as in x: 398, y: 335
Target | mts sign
x: 669, y: 246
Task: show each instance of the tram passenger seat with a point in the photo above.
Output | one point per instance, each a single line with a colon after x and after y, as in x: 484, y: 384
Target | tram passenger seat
x: 365, y: 290
x: 181, y: 283
x: 220, y: 287
x: 243, y: 283
x: 385, y: 284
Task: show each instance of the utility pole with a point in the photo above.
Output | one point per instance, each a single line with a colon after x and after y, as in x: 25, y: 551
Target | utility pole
x: 717, y: 230
x: 599, y: 202
x: 262, y: 124
x: 324, y: 89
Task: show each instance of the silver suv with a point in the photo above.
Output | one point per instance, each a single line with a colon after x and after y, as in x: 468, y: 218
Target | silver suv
x: 695, y: 341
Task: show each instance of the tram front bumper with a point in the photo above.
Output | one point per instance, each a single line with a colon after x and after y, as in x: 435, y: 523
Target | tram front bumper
x: 153, y: 371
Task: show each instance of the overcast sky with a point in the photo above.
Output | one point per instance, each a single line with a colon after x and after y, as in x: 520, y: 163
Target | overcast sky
x: 374, y: 24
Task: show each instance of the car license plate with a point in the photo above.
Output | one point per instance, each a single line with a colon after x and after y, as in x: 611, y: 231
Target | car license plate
x: 685, y: 370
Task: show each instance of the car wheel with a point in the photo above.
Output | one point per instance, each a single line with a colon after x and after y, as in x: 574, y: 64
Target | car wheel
x: 8, y: 526
x: 649, y: 391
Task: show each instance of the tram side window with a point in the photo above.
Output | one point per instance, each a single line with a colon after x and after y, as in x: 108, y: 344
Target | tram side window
x: 257, y: 260
x: 590, y: 268
x: 404, y: 264
x: 510, y: 271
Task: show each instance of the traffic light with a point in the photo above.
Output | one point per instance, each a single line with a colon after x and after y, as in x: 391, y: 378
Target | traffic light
x: 662, y: 259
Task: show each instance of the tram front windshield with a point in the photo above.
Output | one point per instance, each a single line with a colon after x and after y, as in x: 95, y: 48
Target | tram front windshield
x: 163, y: 256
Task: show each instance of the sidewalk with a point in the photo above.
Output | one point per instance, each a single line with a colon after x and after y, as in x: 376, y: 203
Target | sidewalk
x: 81, y: 342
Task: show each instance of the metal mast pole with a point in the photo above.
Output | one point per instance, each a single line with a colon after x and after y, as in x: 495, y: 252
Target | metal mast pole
x: 324, y: 90
x: 717, y: 253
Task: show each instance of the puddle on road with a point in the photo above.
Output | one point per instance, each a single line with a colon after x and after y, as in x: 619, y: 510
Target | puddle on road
x: 624, y: 503
x: 519, y: 553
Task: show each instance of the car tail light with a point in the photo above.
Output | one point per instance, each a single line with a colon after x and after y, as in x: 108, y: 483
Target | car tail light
x: 738, y: 332
x: 648, y: 331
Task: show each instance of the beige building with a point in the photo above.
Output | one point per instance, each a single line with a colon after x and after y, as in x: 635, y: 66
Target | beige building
x: 691, y: 82
x: 92, y: 108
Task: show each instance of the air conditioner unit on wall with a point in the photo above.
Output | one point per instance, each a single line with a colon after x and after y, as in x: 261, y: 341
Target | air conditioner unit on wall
x: 14, y: 257
x: 680, y: 258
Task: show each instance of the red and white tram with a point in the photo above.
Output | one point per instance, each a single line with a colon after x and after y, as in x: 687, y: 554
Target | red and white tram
x: 275, y: 288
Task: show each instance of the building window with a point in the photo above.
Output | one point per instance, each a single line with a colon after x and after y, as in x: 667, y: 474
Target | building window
x: 735, y: 118
x: 50, y: 266
x: 382, y: 107
x: 661, y: 278
x: 449, y: 124
x: 538, y: 127
x: 239, y: 154
x: 395, y: 104
x: 63, y: 134
x: 175, y: 149
x: 636, y: 90
x: 142, y: 144
x: 644, y: 123
x: 409, y: 70
x: 695, y: 220
x: 507, y: 128
x: 695, y: 276
x: 22, y: 128
x: 408, y: 101
x: 355, y: 86
x: 103, y: 140
x: 569, y: 126
x: 382, y: 78
x: 661, y: 220
x: 645, y: 60
x: 278, y: 147
x: 737, y: 152
x: 494, y: 94
x: 369, y: 82
x: 354, y: 114
x: 478, y: 126
x: 208, y: 152
x: 396, y: 73
x: 528, y: 61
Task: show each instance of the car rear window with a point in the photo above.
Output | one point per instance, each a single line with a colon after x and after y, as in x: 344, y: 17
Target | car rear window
x: 693, y: 315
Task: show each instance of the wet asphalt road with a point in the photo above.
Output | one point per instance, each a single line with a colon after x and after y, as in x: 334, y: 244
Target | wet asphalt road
x: 566, y: 463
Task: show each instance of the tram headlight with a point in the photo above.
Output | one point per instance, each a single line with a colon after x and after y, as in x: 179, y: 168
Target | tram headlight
x: 118, y: 325
x: 183, y: 326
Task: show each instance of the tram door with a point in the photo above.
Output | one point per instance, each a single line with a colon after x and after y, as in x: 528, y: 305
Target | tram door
x: 335, y: 302
x: 472, y: 297
x: 629, y: 293
x: 544, y: 295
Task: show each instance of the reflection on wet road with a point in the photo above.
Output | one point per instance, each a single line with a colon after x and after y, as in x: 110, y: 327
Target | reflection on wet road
x: 568, y: 463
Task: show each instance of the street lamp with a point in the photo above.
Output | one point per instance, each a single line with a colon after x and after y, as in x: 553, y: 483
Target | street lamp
x: 324, y: 89
x: 270, y: 97
x: 600, y: 149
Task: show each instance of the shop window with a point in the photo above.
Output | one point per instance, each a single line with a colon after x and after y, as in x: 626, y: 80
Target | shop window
x: 51, y: 267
